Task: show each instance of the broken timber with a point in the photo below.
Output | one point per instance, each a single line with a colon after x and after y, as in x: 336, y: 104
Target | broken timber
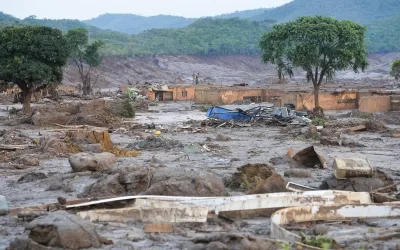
x: 222, y: 205
x: 326, y: 213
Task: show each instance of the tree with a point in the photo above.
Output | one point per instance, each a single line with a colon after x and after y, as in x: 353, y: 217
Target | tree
x: 395, y: 69
x: 31, y: 57
x: 318, y: 45
x: 85, y: 56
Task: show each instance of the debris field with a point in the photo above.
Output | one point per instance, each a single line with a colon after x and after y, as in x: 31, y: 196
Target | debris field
x: 78, y: 175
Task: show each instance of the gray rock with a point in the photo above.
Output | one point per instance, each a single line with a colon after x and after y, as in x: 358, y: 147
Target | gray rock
x: 59, y: 230
x: 82, y: 162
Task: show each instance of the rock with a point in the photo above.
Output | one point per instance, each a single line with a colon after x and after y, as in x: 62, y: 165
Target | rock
x: 55, y: 186
x: 330, y: 141
x: 185, y: 182
x: 220, y: 137
x: 295, y: 173
x: 93, y: 148
x: 274, y: 184
x: 234, y: 241
x: 29, y: 160
x: 82, y: 162
x: 69, y: 188
x: 59, y: 230
x: 321, y: 229
x: 162, y: 181
x: 30, y: 177
x: 347, y: 142
x: 358, y: 184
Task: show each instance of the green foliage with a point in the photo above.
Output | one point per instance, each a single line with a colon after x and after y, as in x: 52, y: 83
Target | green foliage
x: 361, y: 11
x: 395, y: 72
x: 283, y: 246
x: 318, y: 122
x: 32, y: 55
x: 318, y: 45
x: 320, y: 241
x: 178, y: 35
x: 84, y: 53
x: 204, y: 37
x: 128, y: 110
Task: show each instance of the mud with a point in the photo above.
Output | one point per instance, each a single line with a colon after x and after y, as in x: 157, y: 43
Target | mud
x: 172, y: 164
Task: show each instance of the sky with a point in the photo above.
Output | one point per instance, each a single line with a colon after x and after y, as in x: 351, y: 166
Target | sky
x: 86, y: 9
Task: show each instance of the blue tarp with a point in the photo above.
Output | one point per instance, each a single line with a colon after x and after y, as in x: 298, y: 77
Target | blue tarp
x: 227, y: 115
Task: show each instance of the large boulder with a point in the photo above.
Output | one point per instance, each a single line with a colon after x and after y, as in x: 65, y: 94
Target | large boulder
x: 161, y: 181
x: 59, y: 230
x: 82, y: 162
x: 185, y: 182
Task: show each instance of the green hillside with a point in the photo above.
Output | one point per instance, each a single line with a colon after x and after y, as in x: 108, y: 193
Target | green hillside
x: 361, y: 11
x: 384, y: 35
x: 134, y: 24
x: 222, y: 35
x: 204, y: 37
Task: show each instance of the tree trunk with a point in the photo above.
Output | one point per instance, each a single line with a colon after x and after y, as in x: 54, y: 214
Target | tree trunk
x: 86, y: 87
x: 27, y: 101
x: 316, y: 97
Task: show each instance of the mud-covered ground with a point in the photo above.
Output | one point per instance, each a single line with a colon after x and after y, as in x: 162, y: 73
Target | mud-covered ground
x: 217, y: 70
x: 256, y: 144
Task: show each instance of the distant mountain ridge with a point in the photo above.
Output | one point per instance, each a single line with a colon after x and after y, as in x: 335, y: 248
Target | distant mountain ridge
x: 129, y: 34
x: 135, y: 24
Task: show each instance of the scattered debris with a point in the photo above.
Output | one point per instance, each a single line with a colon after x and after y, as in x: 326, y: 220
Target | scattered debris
x: 155, y: 142
x: 266, y: 114
x: 319, y: 213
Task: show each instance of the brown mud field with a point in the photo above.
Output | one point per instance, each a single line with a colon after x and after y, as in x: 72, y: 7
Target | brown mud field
x: 176, y: 151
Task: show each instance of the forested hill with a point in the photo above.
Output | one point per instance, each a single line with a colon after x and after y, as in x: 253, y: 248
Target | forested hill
x: 361, y: 11
x: 134, y: 24
x: 223, y: 35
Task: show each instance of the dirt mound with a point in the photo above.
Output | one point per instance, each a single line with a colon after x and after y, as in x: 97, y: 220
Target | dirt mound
x: 249, y: 176
x: 162, y: 181
x: 94, y: 113
x: 155, y: 142
x: 376, y: 126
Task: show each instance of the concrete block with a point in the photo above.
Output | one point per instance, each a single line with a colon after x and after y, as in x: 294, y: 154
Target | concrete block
x: 347, y: 168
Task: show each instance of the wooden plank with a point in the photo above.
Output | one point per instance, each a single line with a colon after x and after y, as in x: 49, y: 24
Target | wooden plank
x: 158, y: 228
